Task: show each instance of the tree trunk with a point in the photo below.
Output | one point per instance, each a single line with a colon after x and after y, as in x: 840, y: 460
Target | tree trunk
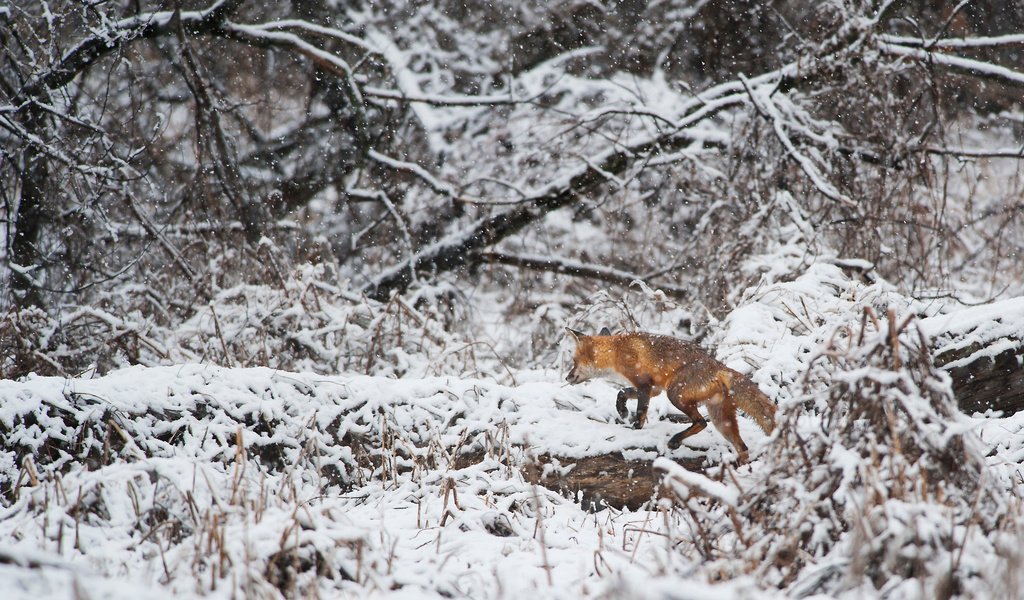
x: 31, y: 216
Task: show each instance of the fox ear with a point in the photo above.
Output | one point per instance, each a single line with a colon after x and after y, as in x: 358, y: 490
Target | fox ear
x: 605, y: 331
x: 576, y: 335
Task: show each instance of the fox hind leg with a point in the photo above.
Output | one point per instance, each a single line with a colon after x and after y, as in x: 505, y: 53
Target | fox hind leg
x: 697, y: 425
x: 686, y: 394
x: 708, y: 385
x: 723, y: 416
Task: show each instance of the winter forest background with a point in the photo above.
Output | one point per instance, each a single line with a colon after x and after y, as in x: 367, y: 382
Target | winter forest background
x: 285, y: 287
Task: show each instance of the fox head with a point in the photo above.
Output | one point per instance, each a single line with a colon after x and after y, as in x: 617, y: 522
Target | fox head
x: 584, y: 361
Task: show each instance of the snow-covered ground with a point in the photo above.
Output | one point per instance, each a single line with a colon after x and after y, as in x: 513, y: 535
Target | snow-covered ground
x: 397, y: 447
x: 200, y: 481
x: 139, y: 485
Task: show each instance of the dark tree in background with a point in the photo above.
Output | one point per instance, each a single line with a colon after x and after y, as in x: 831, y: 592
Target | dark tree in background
x: 154, y: 157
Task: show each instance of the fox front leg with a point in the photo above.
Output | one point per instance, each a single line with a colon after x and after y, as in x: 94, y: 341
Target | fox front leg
x: 620, y: 401
x: 643, y: 401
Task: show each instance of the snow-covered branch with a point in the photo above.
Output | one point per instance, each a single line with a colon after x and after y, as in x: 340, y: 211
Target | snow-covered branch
x: 314, y: 28
x: 457, y: 248
x: 998, y: 41
x: 111, y: 38
x: 575, y: 268
x: 328, y: 61
x: 434, y: 183
x: 440, y: 100
x: 1014, y: 153
x: 967, y: 66
x: 765, y: 105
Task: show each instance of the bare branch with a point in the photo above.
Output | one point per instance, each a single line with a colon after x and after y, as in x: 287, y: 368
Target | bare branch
x: 154, y: 232
x: 999, y: 41
x: 966, y: 66
x: 222, y: 153
x: 380, y: 196
x: 141, y: 26
x: 432, y: 182
x: 575, y: 269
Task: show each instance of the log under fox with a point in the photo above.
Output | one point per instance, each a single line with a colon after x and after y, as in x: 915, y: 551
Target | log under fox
x: 649, y: 364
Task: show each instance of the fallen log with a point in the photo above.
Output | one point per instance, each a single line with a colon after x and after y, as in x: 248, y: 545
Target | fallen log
x: 609, y: 479
x: 982, y: 349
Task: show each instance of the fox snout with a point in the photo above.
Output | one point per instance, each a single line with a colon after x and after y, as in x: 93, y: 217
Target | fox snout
x: 574, y: 375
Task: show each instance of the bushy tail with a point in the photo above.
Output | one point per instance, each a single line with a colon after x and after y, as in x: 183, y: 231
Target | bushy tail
x: 751, y: 400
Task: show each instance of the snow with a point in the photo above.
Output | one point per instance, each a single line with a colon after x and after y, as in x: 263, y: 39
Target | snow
x: 685, y: 482
x: 976, y: 324
x: 180, y: 464
x: 966, y: 64
x: 393, y: 452
x: 201, y: 481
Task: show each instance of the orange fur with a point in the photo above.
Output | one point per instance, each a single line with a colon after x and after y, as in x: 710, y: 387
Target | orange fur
x: 651, y: 364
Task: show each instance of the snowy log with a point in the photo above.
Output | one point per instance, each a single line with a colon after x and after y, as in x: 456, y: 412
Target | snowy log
x: 982, y: 349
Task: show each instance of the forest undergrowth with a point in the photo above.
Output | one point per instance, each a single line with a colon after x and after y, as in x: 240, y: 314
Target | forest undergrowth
x: 285, y: 287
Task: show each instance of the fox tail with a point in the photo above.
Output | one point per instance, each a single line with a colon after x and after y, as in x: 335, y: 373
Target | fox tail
x: 751, y: 400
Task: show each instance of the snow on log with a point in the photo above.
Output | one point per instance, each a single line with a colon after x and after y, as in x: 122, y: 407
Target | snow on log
x: 982, y: 348
x: 686, y: 483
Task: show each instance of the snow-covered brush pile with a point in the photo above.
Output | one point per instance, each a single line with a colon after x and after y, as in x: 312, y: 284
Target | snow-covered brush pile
x: 203, y: 478
x: 304, y: 321
x: 873, y: 485
x: 260, y: 483
x: 307, y: 323
x: 195, y: 480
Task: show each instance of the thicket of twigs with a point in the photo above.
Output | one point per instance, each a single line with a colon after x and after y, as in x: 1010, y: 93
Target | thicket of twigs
x: 874, y: 484
x: 482, y: 162
x: 408, y: 189
x: 255, y: 481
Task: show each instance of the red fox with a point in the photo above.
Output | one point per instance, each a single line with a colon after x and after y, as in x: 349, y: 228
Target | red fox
x: 650, y: 364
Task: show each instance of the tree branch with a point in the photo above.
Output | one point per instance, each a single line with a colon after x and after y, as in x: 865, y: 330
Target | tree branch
x: 575, y: 269
x: 142, y: 26
x: 999, y: 41
x: 459, y: 248
x: 1013, y: 153
x: 966, y: 66
x: 456, y: 250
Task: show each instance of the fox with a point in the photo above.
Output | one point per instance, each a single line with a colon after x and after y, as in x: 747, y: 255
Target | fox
x: 649, y: 364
